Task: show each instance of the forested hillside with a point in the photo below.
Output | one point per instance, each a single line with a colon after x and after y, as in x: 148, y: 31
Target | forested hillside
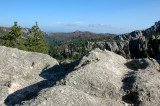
x: 74, y: 45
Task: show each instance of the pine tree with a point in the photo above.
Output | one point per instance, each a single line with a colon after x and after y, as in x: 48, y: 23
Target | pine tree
x: 11, y: 39
x: 22, y: 44
x: 36, y: 42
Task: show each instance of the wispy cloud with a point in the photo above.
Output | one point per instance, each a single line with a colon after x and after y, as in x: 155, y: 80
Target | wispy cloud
x: 107, y: 28
x: 80, y: 25
x: 72, y: 25
x: 100, y: 26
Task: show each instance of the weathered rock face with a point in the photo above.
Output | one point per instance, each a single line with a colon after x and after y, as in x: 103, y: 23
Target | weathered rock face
x: 95, y: 81
x: 100, y: 78
x: 155, y: 27
x: 119, y: 48
x: 19, y: 69
x: 132, y: 45
x: 99, y: 74
x: 68, y: 96
x: 137, y: 47
x: 145, y: 63
x: 112, y: 46
x: 142, y: 84
x: 139, y: 43
x: 145, y: 88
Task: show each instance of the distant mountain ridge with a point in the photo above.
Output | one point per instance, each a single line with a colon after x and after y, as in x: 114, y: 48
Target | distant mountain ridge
x: 78, y: 35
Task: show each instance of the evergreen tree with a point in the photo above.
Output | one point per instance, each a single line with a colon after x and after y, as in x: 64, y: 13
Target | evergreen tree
x: 22, y: 44
x: 11, y: 39
x: 36, y: 42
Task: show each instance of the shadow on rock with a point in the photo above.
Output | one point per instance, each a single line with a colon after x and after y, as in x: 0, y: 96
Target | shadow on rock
x: 128, y: 81
x: 137, y: 64
x: 51, y: 76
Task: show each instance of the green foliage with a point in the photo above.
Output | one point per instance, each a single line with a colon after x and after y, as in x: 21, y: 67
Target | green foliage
x: 76, y: 48
x: 154, y: 48
x: 36, y: 42
x: 22, y: 44
x: 149, y: 35
x: 13, y: 38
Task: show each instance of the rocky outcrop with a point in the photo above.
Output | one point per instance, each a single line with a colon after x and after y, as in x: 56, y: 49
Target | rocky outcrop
x: 132, y: 45
x: 138, y: 43
x: 138, y: 47
x: 121, y: 48
x: 95, y: 81
x: 99, y: 78
x: 21, y: 69
x: 67, y: 96
x: 155, y: 27
x: 142, y: 84
x: 145, y: 63
x: 144, y: 89
x: 101, y: 81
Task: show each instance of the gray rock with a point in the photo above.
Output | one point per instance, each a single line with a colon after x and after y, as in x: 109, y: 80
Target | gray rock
x: 96, y: 76
x: 137, y: 47
x: 112, y: 46
x: 136, y: 34
x: 20, y: 69
x: 142, y: 84
x: 101, y: 78
x: 121, y: 48
x: 145, y: 90
x: 101, y: 44
x: 145, y: 63
x: 68, y: 96
x: 95, y: 81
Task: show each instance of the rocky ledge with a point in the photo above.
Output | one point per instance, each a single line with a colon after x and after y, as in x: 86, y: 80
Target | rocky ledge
x: 99, y: 78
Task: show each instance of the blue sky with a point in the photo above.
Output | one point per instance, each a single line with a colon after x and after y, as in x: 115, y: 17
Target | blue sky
x: 100, y: 16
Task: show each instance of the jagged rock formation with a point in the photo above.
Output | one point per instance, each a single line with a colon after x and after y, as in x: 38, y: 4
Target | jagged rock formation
x: 100, y: 78
x: 119, y: 48
x: 155, y: 27
x: 132, y: 45
x: 138, y: 42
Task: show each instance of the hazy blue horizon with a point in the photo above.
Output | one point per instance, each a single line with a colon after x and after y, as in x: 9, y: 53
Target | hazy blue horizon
x: 98, y: 16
